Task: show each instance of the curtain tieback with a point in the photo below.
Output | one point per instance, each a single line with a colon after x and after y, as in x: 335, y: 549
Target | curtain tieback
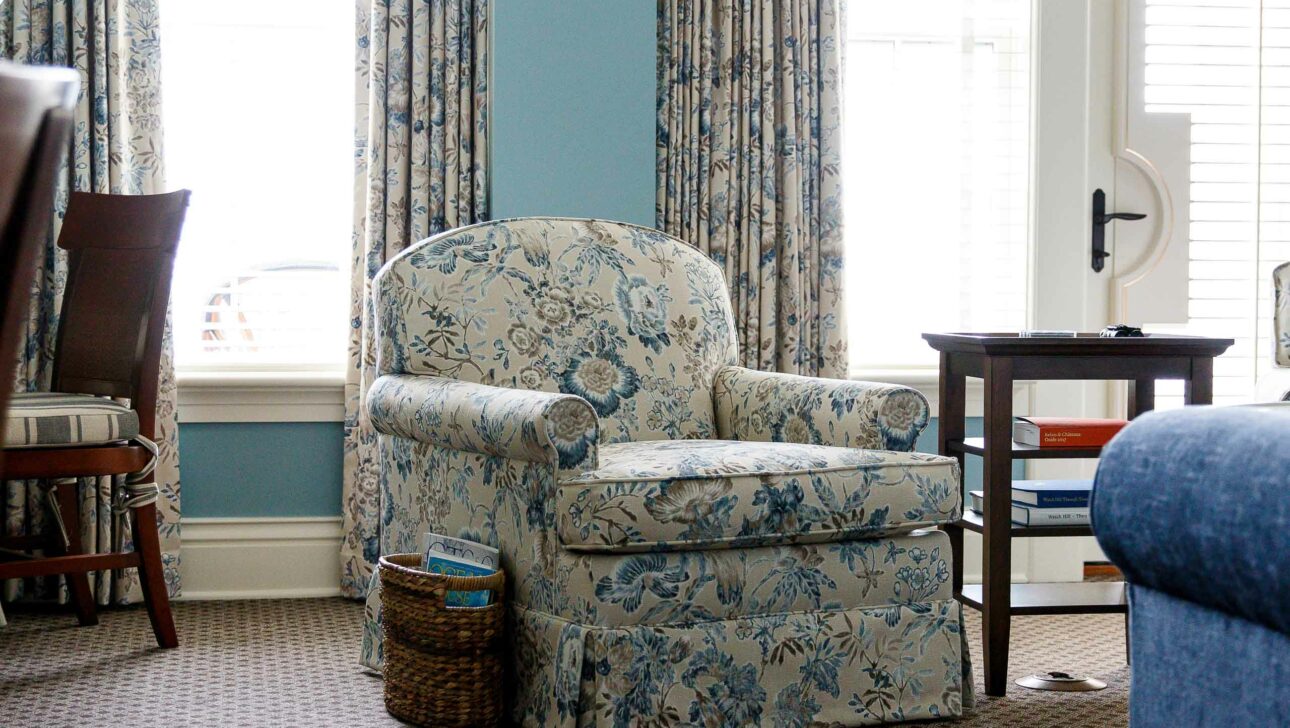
x: 140, y: 489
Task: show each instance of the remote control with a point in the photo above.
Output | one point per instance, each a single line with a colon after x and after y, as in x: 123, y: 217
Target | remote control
x: 1047, y: 334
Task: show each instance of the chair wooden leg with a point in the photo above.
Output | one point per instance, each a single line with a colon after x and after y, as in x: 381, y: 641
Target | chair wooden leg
x: 151, y: 576
x: 78, y: 584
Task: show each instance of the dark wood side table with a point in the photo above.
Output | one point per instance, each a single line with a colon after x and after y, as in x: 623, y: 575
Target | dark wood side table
x: 1002, y: 359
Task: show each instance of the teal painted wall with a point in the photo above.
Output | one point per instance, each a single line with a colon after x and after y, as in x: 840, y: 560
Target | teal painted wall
x: 573, y: 109
x: 278, y: 469
x: 261, y: 469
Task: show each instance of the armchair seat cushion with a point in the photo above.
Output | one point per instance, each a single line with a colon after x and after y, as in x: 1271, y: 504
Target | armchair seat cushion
x: 42, y: 419
x: 678, y: 495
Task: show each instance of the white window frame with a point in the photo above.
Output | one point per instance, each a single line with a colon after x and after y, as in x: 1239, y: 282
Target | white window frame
x: 926, y: 378
x: 212, y: 391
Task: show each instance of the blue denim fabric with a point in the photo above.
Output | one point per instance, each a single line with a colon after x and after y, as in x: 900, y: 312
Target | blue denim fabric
x: 1194, y: 666
x: 1196, y: 503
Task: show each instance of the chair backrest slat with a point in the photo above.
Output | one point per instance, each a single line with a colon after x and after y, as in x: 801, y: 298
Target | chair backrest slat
x: 121, y: 254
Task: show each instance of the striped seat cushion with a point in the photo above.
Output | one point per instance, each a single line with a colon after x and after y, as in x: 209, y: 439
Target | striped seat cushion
x: 37, y: 419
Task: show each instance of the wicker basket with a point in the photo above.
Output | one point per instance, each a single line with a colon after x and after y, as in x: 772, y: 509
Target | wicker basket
x: 443, y: 665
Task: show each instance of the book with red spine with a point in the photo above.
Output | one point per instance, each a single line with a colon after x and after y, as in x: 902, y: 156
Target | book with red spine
x: 1065, y: 431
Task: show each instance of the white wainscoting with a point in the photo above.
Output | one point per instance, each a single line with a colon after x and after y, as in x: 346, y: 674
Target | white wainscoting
x: 260, y: 558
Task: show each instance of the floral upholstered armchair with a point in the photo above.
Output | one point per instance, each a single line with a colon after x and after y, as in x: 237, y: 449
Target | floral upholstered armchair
x: 1277, y: 383
x: 688, y: 541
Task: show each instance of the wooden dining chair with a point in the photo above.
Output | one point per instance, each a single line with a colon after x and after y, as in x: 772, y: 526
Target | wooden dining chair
x: 121, y: 253
x: 35, y: 124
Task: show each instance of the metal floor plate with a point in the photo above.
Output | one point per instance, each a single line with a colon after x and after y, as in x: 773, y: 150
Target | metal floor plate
x: 1061, y: 682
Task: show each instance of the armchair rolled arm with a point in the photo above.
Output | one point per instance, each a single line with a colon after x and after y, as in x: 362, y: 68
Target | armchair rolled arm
x: 770, y: 407
x: 519, y: 424
x: 1194, y: 503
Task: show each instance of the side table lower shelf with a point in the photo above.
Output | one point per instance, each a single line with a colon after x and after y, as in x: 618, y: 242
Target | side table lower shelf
x: 1102, y: 597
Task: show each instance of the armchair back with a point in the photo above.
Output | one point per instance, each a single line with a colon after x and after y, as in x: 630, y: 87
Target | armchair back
x: 1281, y: 316
x: 634, y: 321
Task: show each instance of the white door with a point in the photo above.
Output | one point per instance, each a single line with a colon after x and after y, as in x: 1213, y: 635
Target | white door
x: 1073, y: 108
x: 1183, y: 123
x: 1094, y: 131
x: 1151, y: 145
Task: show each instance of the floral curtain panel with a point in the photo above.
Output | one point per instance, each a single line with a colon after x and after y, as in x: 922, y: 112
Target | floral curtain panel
x: 421, y: 162
x: 748, y: 167
x: 116, y: 148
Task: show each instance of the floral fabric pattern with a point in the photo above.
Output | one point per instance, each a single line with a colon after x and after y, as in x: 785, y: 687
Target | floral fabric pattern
x: 538, y: 427
x: 421, y: 163
x: 116, y: 148
x: 550, y: 387
x: 789, y: 670
x: 766, y: 407
x: 748, y: 167
x: 629, y: 319
x: 677, y: 587
x: 697, y: 494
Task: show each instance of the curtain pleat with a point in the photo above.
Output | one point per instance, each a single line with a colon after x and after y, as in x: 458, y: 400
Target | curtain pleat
x: 748, y: 163
x: 115, y: 148
x: 421, y: 162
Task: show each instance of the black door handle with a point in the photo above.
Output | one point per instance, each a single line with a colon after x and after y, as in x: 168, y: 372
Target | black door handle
x: 1100, y: 218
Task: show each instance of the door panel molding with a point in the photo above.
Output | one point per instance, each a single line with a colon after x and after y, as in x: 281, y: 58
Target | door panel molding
x: 1152, y: 170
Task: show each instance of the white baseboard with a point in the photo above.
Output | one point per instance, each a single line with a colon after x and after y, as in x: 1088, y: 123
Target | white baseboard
x: 295, y: 558
x: 1018, y: 577
x: 260, y: 558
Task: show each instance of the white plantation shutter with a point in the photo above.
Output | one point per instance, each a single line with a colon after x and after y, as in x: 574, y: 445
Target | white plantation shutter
x: 1227, y: 64
x: 936, y: 158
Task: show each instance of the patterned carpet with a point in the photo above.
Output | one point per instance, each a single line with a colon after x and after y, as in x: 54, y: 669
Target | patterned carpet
x: 292, y: 663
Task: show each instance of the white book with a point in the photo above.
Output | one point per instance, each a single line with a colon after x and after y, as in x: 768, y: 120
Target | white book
x: 1029, y: 516
x: 1024, y: 515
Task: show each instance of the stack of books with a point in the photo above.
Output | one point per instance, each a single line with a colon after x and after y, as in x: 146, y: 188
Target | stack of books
x: 1045, y: 502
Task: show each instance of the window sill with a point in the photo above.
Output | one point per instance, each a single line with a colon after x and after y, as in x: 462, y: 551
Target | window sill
x: 261, y: 396
x: 917, y: 377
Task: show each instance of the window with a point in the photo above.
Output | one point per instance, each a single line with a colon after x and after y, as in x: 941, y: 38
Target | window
x: 259, y: 125
x: 1229, y: 68
x: 936, y: 154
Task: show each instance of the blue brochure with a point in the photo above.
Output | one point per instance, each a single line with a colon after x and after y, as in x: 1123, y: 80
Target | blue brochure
x: 437, y: 563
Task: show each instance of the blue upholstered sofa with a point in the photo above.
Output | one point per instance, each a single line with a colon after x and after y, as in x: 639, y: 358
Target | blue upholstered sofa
x: 1194, y: 506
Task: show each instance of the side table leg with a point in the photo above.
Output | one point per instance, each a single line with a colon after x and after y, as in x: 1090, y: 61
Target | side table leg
x: 950, y: 427
x: 996, y: 573
x: 956, y: 552
x: 1199, y: 388
x: 1142, y: 396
